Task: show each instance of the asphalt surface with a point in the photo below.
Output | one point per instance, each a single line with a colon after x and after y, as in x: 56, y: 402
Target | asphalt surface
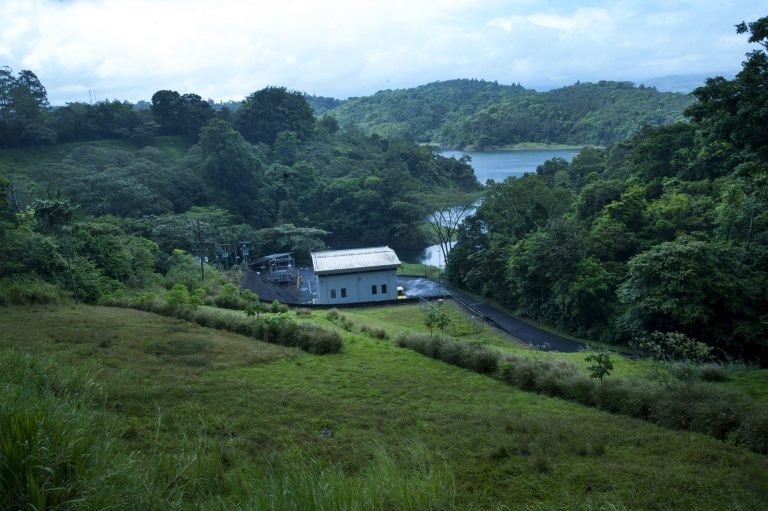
x: 525, y: 332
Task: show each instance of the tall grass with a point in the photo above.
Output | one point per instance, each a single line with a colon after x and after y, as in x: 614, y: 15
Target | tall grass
x: 28, y: 290
x: 54, y: 453
x: 57, y: 453
x: 413, y: 482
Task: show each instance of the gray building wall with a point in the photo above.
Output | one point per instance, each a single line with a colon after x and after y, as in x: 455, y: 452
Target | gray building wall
x: 356, y: 287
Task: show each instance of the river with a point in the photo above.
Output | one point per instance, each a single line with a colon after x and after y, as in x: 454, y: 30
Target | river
x: 496, y: 165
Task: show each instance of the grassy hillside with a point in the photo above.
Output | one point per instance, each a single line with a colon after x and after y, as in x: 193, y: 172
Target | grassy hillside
x: 203, y: 419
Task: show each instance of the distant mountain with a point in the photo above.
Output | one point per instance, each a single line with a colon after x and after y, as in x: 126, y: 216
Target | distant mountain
x: 481, y: 114
x: 678, y: 83
x: 417, y: 114
x: 321, y: 104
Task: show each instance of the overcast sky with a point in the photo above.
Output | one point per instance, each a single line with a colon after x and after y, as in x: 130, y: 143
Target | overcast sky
x: 226, y: 49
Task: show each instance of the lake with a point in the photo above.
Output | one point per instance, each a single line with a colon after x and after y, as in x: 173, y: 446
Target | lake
x: 499, y: 165
x: 496, y: 165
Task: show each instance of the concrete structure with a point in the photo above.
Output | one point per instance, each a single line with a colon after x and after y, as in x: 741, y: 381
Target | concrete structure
x: 356, y: 275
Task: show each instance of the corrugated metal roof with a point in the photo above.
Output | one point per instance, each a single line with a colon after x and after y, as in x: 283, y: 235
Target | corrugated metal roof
x: 354, y: 260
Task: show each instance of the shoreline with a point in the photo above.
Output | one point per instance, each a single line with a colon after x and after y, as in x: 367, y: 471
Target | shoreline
x: 522, y: 146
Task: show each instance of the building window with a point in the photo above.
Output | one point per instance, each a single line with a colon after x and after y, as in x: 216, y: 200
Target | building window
x: 383, y: 289
x: 333, y: 294
x: 373, y: 289
x: 343, y: 292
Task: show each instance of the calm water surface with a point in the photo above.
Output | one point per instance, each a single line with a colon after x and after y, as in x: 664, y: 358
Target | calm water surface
x: 499, y: 165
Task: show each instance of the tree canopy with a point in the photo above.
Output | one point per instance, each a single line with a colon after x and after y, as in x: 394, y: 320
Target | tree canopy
x: 272, y: 110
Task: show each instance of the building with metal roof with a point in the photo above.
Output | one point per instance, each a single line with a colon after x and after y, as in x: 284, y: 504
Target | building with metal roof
x: 355, y: 275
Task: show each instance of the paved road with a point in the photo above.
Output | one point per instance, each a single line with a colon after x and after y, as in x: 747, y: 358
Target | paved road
x: 521, y: 330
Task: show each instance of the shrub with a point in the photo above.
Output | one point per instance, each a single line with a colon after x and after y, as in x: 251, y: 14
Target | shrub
x: 277, y: 307
x: 375, y: 332
x: 319, y: 341
x: 475, y: 357
x: 704, y: 410
x: 177, y: 296
x: 332, y: 315
x: 634, y: 400
x: 276, y: 329
x: 229, y: 298
x: 520, y: 372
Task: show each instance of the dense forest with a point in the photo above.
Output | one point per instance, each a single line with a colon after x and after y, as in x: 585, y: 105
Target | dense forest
x: 663, y: 235
x: 482, y: 115
x: 98, y: 198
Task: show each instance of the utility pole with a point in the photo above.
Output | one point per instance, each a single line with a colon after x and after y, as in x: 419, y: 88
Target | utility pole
x: 245, y: 250
x: 225, y: 255
x: 200, y: 244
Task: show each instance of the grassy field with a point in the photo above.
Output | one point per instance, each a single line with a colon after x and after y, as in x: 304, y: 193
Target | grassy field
x: 209, y: 418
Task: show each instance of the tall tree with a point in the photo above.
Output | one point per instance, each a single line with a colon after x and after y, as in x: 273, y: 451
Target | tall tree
x: 445, y: 223
x: 23, y: 110
x: 735, y: 110
x: 267, y: 112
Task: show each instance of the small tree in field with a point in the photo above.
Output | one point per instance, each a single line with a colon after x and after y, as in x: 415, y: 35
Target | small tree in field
x: 602, y: 366
x: 178, y: 296
x: 253, y: 306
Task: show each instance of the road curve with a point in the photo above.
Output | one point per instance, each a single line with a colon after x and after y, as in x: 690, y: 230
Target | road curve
x: 519, y: 329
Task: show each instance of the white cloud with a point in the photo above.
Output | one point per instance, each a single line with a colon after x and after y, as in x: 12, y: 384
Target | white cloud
x: 227, y: 49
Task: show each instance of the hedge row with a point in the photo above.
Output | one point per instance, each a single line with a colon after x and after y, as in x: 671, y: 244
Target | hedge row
x: 277, y: 328
x: 725, y: 415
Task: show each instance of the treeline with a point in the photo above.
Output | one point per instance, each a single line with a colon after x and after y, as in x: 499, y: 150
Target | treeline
x: 664, y: 235
x: 270, y: 177
x: 483, y: 115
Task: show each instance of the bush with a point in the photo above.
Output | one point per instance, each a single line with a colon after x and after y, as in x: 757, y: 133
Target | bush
x: 229, y: 298
x: 704, y: 410
x: 475, y: 357
x: 375, y: 332
x: 634, y: 400
x: 177, y: 296
x: 319, y: 341
x: 275, y: 329
x: 277, y: 307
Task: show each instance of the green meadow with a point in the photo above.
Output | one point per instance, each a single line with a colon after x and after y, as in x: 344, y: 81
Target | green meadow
x: 170, y: 415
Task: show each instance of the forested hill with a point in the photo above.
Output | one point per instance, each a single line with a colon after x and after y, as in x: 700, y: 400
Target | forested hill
x: 483, y: 115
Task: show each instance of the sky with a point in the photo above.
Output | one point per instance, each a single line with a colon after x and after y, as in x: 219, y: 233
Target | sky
x: 83, y: 50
